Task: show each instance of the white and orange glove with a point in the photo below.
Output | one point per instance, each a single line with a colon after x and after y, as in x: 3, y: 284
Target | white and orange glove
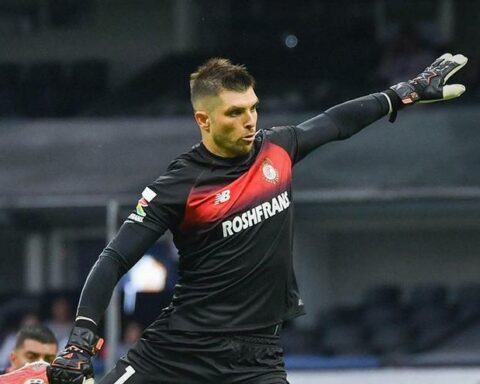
x: 74, y: 365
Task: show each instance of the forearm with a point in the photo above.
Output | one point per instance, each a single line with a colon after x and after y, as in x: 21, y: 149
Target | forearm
x: 117, y: 258
x: 354, y: 115
x: 98, y: 288
x: 343, y: 120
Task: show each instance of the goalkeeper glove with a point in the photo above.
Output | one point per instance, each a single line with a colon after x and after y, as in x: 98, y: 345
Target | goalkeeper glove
x: 73, y: 365
x: 429, y: 86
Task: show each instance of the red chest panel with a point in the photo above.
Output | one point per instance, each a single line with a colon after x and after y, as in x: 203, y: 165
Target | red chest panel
x: 268, y: 176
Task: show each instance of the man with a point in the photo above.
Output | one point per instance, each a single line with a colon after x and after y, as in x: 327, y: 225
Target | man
x: 228, y: 205
x: 33, y: 343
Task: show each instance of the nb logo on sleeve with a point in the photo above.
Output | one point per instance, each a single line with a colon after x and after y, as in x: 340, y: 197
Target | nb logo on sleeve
x: 222, y: 197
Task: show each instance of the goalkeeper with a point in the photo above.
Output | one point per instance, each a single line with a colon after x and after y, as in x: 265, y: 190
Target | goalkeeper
x: 228, y: 204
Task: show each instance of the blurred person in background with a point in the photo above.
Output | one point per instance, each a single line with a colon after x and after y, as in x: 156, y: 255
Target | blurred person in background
x: 61, y: 319
x: 33, y: 343
x: 29, y: 319
x: 131, y: 334
x: 228, y: 204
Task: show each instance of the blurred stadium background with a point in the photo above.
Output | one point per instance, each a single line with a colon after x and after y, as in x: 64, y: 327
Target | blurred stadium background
x: 94, y: 105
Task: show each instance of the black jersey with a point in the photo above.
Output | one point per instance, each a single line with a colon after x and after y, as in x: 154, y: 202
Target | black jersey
x: 232, y: 223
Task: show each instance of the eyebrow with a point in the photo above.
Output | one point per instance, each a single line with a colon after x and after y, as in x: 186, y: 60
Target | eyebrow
x: 240, y: 108
x: 31, y: 353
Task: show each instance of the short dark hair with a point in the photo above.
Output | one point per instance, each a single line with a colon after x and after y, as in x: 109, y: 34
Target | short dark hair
x: 216, y: 75
x: 40, y: 333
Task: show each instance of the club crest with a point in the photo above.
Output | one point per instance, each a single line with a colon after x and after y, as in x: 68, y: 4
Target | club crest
x: 270, y: 173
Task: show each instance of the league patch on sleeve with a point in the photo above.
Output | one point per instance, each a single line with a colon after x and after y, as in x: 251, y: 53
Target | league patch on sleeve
x: 148, y: 194
x: 142, y: 203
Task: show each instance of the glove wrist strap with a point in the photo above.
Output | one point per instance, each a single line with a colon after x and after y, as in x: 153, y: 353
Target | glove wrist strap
x: 85, y: 339
x: 396, y: 103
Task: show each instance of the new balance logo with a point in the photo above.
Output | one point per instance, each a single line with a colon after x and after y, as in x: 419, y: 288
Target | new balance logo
x: 222, y: 197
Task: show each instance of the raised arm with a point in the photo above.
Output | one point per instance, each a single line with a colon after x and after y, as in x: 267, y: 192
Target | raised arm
x: 346, y: 119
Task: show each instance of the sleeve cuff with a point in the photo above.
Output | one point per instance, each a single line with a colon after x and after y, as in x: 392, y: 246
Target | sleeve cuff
x: 85, y: 322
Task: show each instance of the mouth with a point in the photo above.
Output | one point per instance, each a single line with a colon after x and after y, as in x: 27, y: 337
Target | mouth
x: 249, y: 138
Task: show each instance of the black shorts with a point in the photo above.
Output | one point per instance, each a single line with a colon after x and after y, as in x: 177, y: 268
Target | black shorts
x: 195, y: 358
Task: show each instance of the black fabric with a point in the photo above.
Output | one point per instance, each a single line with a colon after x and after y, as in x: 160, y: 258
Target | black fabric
x: 340, y: 122
x: 117, y: 258
x: 198, y: 358
x: 221, y: 284
x: 232, y: 223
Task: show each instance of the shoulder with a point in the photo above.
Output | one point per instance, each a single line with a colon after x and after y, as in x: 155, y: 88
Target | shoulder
x: 280, y: 133
x: 283, y: 136
x: 181, y: 173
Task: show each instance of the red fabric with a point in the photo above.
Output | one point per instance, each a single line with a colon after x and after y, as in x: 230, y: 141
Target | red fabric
x: 246, y: 191
x: 34, y: 373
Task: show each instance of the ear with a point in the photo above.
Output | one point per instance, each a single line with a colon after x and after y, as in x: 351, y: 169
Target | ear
x: 13, y: 357
x: 202, y: 120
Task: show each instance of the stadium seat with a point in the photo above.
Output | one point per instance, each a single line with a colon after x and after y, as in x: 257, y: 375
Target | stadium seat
x: 427, y: 294
x: 429, y: 336
x: 390, y: 338
x: 428, y: 315
x: 88, y: 83
x: 467, y: 303
x: 384, y: 295
x: 375, y: 316
x: 10, y: 78
x: 344, y: 339
x: 44, y: 90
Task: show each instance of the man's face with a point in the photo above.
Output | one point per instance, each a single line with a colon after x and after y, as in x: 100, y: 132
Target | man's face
x: 231, y: 123
x: 32, y: 350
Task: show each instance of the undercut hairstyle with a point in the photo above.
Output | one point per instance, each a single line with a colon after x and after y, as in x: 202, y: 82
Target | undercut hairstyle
x: 39, y: 333
x: 216, y: 75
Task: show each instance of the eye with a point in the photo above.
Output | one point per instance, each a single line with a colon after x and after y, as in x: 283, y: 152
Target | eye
x: 234, y: 113
x: 49, y: 358
x: 31, y: 357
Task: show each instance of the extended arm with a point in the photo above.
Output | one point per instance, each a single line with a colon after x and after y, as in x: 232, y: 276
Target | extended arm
x: 342, y: 121
x: 346, y: 119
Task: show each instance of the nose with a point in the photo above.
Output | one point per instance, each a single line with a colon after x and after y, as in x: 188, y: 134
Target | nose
x: 250, y: 120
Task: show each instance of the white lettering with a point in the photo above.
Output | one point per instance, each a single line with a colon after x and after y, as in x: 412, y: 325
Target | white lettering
x: 244, y: 220
x: 283, y: 201
x: 258, y: 210
x: 252, y: 217
x: 237, y: 224
x: 255, y: 215
x: 275, y: 206
x: 267, y: 209
x: 135, y: 217
x: 227, y: 228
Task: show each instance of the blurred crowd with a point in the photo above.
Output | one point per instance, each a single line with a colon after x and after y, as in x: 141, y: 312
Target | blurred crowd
x: 59, y: 321
x: 303, y: 77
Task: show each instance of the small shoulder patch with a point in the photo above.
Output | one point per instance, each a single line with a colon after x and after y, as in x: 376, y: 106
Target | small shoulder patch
x: 148, y: 194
